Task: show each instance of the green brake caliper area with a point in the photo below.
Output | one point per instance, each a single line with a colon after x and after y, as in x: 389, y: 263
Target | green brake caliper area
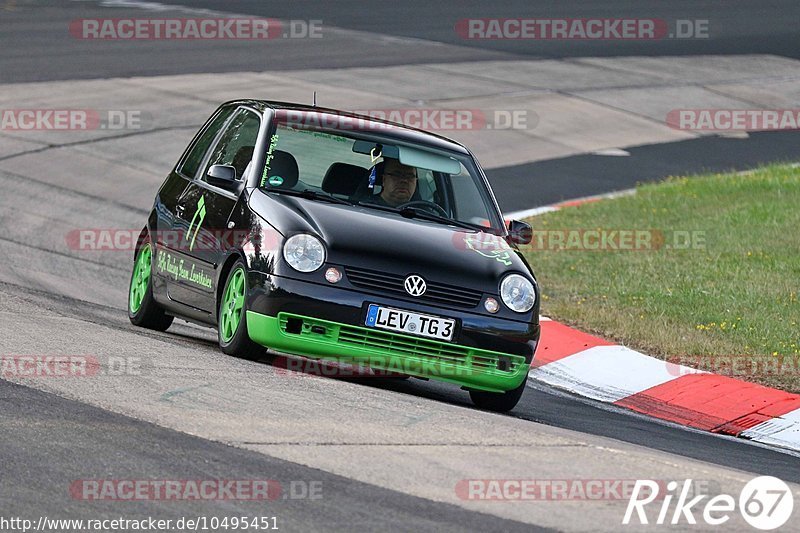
x: 140, y: 279
x: 232, y: 309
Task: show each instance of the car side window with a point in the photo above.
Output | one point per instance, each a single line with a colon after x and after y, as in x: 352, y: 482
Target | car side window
x: 191, y: 164
x: 235, y: 147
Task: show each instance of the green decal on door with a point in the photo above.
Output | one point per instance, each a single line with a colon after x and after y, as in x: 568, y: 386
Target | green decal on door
x: 199, y: 216
x: 182, y: 270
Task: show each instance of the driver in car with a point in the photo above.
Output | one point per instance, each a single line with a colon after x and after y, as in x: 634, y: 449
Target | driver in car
x: 399, y: 183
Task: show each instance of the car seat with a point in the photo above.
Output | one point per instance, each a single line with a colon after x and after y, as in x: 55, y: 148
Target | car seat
x: 343, y: 178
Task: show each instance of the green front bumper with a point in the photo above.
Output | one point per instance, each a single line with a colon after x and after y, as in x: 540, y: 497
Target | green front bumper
x: 470, y: 367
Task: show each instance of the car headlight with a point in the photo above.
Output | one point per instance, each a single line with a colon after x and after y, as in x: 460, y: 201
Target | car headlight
x: 304, y: 252
x: 517, y: 293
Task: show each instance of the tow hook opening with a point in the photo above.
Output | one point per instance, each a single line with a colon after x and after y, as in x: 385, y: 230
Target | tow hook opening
x: 294, y: 325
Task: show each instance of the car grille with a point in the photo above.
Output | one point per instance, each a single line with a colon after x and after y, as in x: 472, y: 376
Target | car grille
x: 394, y: 284
x: 428, y: 349
x: 400, y: 345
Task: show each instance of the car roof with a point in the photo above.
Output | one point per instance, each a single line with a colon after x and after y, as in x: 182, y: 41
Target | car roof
x: 398, y: 131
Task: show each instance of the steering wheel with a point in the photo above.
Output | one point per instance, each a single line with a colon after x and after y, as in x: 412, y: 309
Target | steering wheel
x: 425, y: 204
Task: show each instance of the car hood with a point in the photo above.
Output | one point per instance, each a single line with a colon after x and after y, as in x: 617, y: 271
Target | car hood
x: 372, y: 239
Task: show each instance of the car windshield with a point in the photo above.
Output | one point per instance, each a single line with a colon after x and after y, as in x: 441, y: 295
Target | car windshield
x: 373, y: 169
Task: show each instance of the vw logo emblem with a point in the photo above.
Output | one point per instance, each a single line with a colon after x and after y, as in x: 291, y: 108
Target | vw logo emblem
x: 415, y: 285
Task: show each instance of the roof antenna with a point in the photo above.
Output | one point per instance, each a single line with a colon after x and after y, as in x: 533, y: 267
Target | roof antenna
x: 315, y: 99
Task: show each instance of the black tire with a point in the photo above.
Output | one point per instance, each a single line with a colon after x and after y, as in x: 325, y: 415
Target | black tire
x: 238, y: 344
x: 149, y: 314
x: 499, y: 402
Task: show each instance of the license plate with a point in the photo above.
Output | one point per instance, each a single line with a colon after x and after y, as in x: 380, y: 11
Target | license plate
x: 407, y: 322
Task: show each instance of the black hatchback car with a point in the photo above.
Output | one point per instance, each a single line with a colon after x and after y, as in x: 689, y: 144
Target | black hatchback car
x: 330, y: 235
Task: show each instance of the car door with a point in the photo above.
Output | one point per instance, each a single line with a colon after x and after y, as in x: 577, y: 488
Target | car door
x: 204, y: 211
x: 168, y: 228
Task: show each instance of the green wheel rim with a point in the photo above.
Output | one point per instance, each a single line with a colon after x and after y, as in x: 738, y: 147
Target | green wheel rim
x: 140, y: 279
x: 232, y: 309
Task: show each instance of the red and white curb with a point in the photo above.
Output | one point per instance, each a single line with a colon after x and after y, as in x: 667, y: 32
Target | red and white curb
x: 525, y: 213
x: 594, y: 368
x: 591, y: 367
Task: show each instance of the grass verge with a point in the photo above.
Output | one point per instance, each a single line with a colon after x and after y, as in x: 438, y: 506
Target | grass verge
x: 702, y: 271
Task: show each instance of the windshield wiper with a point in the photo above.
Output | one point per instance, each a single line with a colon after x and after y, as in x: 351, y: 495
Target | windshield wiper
x: 312, y: 195
x: 413, y: 212
x: 427, y: 215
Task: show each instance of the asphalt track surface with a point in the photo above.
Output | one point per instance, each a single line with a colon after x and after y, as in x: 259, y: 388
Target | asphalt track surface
x: 49, y: 441
x: 735, y: 27
x: 589, y: 174
x: 38, y: 46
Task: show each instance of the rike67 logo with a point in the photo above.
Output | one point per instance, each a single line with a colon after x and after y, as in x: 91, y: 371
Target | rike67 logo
x: 765, y: 503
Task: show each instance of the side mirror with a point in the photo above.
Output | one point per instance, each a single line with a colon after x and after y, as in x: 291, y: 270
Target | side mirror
x: 222, y: 176
x: 520, y: 232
